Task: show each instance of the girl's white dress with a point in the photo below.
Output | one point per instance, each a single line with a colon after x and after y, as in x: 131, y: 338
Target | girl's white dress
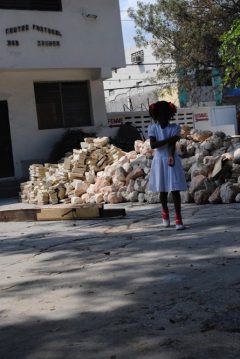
x: 164, y: 178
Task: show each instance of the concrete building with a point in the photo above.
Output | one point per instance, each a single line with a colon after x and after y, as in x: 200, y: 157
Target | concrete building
x: 132, y: 88
x: 54, y: 57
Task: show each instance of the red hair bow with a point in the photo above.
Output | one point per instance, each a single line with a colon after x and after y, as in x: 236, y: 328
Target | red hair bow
x: 172, y: 107
x: 152, y: 109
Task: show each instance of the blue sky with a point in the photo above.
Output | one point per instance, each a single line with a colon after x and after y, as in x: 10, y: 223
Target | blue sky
x: 127, y: 24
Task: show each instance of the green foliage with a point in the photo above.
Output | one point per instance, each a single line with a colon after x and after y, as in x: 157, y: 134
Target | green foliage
x: 184, y: 34
x: 230, y: 54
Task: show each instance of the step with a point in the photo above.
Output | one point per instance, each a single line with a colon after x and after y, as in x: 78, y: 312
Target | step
x: 9, y: 188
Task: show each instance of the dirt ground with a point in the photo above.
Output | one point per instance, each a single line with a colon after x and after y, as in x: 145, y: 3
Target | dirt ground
x: 122, y: 288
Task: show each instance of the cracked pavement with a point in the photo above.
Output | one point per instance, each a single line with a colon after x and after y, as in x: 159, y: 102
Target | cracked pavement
x: 122, y: 287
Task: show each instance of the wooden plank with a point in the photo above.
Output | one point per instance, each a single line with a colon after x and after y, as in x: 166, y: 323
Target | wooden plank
x: 59, y: 213
x: 18, y: 215
x: 63, y: 214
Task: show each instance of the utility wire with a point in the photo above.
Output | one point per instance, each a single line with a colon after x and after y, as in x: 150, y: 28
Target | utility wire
x: 148, y: 63
x: 132, y: 87
x: 142, y: 79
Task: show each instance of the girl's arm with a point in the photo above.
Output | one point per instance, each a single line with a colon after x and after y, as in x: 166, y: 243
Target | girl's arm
x: 171, y: 152
x: 170, y: 140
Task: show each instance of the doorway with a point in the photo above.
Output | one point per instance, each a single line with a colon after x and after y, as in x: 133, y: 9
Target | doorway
x: 6, y: 167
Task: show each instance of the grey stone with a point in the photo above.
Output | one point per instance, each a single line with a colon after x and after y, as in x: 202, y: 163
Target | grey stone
x: 236, y: 155
x: 132, y: 196
x: 141, y: 197
x: 186, y: 197
x: 201, y: 197
x: 197, y: 184
x: 228, y: 193
x: 215, y: 197
x: 152, y: 197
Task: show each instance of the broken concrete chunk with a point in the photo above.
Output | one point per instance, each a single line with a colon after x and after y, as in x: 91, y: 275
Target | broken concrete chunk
x: 98, y: 169
x: 197, y: 184
x: 201, y: 197
x: 215, y: 197
x: 228, y: 192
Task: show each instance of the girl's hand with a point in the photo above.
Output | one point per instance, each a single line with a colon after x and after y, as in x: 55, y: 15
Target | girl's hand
x: 171, y: 161
x: 174, y: 139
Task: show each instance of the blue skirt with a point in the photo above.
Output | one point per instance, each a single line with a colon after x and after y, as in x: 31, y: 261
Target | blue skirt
x: 164, y: 178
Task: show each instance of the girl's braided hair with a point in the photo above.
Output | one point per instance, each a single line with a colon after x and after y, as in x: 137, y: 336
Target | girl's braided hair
x: 162, y: 109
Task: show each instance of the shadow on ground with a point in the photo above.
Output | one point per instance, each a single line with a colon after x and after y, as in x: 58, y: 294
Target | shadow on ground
x: 122, y: 288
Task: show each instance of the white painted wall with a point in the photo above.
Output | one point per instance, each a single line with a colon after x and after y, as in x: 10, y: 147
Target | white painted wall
x: 89, y: 49
x: 216, y: 118
x: 28, y: 142
x: 85, y: 42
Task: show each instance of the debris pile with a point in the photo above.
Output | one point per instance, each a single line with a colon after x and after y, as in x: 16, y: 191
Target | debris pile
x: 102, y: 173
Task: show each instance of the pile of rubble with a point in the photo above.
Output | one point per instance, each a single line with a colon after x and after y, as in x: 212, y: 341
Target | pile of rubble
x: 102, y: 173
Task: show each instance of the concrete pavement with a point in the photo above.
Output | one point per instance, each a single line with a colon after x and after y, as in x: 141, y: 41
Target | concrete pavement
x: 123, y: 287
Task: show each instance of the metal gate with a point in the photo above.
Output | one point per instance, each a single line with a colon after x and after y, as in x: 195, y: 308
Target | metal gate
x: 141, y: 120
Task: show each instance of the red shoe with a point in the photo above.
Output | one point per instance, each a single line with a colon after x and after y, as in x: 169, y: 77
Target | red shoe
x: 165, y: 218
x: 179, y: 224
x: 166, y: 222
x: 180, y: 227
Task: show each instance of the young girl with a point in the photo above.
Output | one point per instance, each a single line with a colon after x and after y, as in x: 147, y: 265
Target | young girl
x: 166, y: 172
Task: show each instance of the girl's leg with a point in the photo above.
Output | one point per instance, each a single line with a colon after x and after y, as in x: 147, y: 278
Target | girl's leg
x: 165, y: 212
x: 177, y: 205
x: 164, y: 200
x: 177, y: 202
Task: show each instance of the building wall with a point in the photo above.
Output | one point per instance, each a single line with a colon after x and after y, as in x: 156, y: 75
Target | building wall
x: 134, y: 83
x: 201, y: 95
x: 85, y: 42
x: 29, y: 144
x: 87, y: 50
x: 216, y: 118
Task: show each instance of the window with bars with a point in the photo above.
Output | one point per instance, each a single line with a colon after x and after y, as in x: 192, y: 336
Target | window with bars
x: 137, y: 57
x: 44, y: 5
x: 62, y: 104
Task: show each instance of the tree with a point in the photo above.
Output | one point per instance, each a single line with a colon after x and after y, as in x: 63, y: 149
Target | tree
x: 231, y: 6
x: 230, y: 54
x: 184, y: 34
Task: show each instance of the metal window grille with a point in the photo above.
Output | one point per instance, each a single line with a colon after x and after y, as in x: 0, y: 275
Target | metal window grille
x: 44, y: 5
x: 62, y: 104
x: 137, y: 57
